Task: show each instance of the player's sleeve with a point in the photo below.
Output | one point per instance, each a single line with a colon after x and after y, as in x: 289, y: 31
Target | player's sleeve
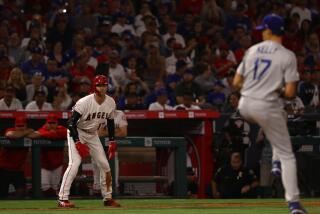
x: 59, y: 133
x: 122, y: 119
x: 80, y: 106
x: 110, y: 121
x: 9, y: 130
x: 291, y: 71
x: 72, y: 125
x: 112, y: 113
x: 241, y: 68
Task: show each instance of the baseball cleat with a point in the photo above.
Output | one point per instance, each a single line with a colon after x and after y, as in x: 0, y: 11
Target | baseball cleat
x: 276, y: 168
x: 65, y: 204
x: 296, y: 208
x: 111, y: 203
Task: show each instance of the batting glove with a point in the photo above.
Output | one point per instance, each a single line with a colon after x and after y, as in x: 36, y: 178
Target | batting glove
x: 112, y: 149
x: 83, y: 149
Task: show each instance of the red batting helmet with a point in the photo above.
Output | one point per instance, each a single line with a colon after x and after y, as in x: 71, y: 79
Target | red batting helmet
x: 99, y: 80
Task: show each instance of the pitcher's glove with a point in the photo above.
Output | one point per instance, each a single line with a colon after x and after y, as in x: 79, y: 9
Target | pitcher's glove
x: 83, y: 149
x: 112, y: 149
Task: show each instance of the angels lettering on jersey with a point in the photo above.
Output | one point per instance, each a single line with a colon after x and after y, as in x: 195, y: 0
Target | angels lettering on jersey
x: 98, y: 115
x: 94, y: 114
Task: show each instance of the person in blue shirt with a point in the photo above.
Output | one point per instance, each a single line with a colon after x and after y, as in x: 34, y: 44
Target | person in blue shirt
x: 35, y: 64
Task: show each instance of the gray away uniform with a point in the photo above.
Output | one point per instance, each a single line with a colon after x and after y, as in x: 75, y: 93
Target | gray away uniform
x: 266, y: 68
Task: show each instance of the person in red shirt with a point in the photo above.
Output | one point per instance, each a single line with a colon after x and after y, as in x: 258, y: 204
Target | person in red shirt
x: 12, y: 160
x: 191, y: 6
x: 81, y: 70
x: 222, y: 63
x: 51, y: 158
x: 245, y: 43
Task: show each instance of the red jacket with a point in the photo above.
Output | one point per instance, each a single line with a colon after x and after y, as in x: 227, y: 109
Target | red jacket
x: 192, y: 6
x: 13, y: 159
x: 88, y: 73
x: 52, y: 158
x: 239, y: 54
x: 219, y: 62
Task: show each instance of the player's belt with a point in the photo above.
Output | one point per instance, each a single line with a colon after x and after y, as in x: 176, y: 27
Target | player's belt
x: 88, y: 132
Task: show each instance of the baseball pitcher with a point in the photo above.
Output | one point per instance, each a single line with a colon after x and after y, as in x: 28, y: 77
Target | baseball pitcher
x: 268, y: 72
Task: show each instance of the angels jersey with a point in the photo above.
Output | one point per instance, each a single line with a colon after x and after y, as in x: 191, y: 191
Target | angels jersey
x: 120, y: 119
x: 94, y: 114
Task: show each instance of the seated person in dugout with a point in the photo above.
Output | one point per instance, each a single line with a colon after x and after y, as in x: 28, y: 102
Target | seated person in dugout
x: 12, y: 161
x: 234, y: 180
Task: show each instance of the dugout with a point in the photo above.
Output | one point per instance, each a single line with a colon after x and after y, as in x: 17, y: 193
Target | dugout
x: 198, y: 129
x: 195, y: 127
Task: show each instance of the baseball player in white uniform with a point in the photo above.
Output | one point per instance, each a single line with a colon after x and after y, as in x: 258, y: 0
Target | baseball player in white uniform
x: 268, y: 72
x: 121, y: 125
x: 88, y: 114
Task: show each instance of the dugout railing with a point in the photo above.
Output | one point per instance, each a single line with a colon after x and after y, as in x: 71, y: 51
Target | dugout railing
x: 178, y: 144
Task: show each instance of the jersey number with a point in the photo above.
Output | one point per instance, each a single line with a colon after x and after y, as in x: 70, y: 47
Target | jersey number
x: 261, y: 66
x: 102, y: 126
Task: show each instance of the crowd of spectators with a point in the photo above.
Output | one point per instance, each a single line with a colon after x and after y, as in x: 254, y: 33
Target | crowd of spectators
x: 160, y: 54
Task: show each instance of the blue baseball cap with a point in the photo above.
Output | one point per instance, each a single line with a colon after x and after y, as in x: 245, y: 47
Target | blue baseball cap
x: 273, y: 22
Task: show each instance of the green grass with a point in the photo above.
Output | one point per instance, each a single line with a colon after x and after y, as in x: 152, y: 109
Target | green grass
x: 158, y: 206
